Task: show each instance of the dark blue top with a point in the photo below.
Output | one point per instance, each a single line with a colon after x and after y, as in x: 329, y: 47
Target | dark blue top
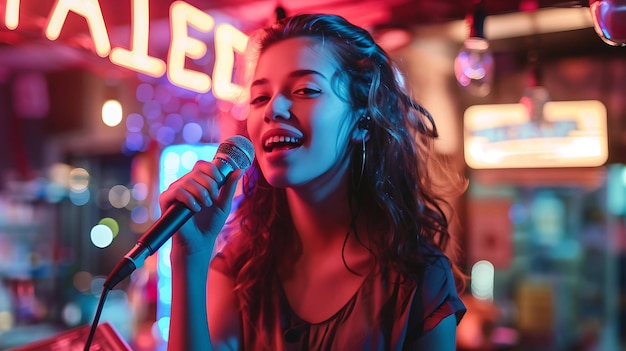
x: 386, y: 313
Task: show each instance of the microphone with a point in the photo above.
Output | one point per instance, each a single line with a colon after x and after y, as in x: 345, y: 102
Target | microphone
x: 234, y: 153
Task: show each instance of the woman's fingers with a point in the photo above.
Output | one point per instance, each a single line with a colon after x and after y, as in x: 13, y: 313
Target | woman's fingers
x: 187, y: 198
x: 198, y: 188
x: 208, y: 178
x: 230, y: 185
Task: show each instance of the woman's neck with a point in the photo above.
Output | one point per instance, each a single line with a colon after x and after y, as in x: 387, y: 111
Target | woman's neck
x: 324, y: 229
x: 320, y: 217
x: 320, y: 209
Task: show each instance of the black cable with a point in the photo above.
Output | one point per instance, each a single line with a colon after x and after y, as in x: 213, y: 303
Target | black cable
x: 96, y: 318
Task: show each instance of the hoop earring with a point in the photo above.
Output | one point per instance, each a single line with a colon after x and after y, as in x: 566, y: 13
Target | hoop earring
x: 362, y: 161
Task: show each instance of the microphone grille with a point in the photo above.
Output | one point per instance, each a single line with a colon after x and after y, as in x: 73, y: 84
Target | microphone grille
x: 238, y: 150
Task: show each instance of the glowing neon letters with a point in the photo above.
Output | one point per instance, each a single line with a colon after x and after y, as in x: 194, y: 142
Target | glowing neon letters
x: 228, y: 41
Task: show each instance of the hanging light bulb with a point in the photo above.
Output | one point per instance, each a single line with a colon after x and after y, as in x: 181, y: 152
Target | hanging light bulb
x: 535, y: 95
x: 534, y: 100
x: 609, y: 20
x: 473, y: 66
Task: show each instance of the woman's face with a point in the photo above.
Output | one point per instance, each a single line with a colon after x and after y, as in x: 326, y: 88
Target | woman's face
x: 297, y: 121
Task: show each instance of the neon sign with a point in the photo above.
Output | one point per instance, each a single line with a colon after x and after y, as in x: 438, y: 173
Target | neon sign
x: 571, y: 134
x: 228, y: 41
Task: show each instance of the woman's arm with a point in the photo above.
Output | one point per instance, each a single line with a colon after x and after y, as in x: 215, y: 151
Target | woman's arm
x: 204, y: 309
x: 188, y: 319
x: 192, y: 249
x: 224, y: 318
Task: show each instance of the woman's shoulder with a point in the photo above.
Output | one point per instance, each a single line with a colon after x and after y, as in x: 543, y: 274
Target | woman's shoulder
x: 432, y: 261
x: 435, y: 260
x: 437, y: 292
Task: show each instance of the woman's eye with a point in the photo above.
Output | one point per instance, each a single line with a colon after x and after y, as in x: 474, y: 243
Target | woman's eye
x: 307, y: 91
x: 258, y: 100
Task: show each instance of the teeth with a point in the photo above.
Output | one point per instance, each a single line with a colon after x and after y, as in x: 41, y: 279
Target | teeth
x: 280, y: 139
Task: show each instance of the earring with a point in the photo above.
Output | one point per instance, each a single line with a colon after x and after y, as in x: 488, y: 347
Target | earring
x: 362, y: 160
x: 364, y: 122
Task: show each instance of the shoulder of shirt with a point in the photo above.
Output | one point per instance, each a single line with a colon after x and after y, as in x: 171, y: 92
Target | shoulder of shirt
x: 435, y: 260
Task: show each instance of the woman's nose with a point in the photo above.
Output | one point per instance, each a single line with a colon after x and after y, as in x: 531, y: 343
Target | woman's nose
x: 278, y: 107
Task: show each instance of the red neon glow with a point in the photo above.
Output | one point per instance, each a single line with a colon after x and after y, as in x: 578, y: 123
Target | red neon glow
x: 137, y: 57
x: 182, y: 46
x: 90, y: 10
x: 12, y: 14
x: 228, y: 40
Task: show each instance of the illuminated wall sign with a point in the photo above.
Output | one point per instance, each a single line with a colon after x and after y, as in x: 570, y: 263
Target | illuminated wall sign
x: 571, y: 134
x: 175, y: 161
x: 228, y: 41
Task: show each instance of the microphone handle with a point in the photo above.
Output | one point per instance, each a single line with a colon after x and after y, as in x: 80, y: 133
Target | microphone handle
x: 167, y: 225
x: 177, y: 215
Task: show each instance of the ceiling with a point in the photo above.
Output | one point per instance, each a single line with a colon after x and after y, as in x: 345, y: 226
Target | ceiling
x: 26, y: 47
x: 397, y: 13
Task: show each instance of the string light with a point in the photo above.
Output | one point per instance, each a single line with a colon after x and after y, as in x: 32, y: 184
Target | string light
x: 474, y: 64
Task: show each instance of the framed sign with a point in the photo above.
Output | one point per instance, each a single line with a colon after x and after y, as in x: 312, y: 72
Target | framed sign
x: 568, y: 134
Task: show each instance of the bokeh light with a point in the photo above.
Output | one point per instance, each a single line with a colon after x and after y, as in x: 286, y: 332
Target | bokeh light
x: 96, y: 285
x: 482, y: 280
x: 135, y: 141
x: 78, y: 179
x: 152, y: 110
x: 140, y: 191
x: 134, y: 122
x: 112, y: 113
x: 80, y: 197
x: 101, y: 236
x: 112, y: 224
x: 59, y: 173
x: 119, y: 196
x: 72, y: 314
x: 190, y: 111
x: 174, y: 121
x: 139, y: 214
x: 166, y: 136
x: 144, y: 92
x: 82, y: 281
x: 171, y: 162
x: 192, y: 133
x: 188, y: 159
x: 55, y: 192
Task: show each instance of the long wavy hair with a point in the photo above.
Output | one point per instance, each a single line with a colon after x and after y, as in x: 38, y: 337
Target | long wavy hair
x: 398, y: 189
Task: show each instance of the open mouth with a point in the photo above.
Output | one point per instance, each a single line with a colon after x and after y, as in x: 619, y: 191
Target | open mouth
x: 281, y: 142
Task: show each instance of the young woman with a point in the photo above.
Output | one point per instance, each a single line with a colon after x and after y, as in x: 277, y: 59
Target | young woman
x: 338, y: 239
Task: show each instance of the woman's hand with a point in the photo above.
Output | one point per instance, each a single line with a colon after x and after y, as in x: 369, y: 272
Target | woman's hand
x: 199, y: 191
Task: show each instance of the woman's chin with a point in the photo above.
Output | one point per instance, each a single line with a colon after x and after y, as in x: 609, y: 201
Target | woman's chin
x: 277, y: 181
